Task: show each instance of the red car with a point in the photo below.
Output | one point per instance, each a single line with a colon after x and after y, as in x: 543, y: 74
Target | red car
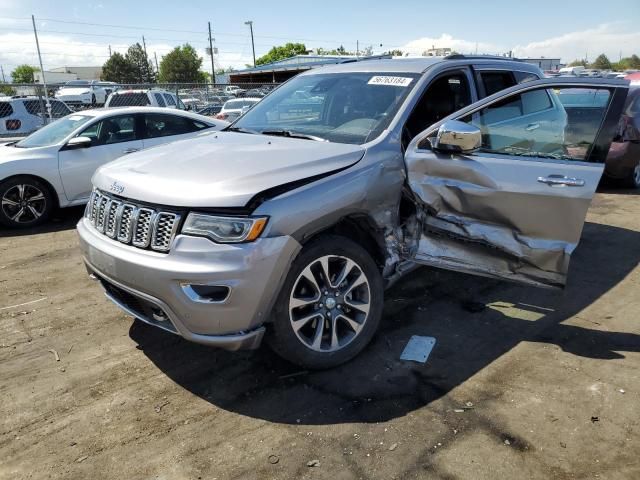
x: 623, y: 161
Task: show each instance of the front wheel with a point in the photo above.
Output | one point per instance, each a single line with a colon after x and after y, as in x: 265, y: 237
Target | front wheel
x: 24, y: 202
x: 633, y: 181
x: 330, y: 304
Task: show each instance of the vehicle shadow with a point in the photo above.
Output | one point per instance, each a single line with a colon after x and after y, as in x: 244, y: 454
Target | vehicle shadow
x: 475, y: 321
x: 62, y: 219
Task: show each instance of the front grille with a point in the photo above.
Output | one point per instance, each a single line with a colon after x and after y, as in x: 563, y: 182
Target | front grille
x: 132, y: 224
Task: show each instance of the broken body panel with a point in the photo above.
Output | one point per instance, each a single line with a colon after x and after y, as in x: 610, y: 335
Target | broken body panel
x: 514, y: 217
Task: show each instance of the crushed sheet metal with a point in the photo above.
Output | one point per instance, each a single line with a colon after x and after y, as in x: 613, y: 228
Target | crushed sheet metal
x: 418, y: 348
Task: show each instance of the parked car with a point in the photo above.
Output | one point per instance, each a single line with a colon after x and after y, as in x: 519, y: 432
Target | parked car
x: 255, y: 93
x: 22, y: 115
x: 291, y: 222
x: 77, y: 93
x: 53, y: 166
x: 210, y: 110
x: 144, y: 97
x: 623, y: 161
x: 234, y: 108
x: 233, y: 91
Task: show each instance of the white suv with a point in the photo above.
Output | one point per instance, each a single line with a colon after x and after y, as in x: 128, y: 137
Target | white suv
x: 233, y: 90
x: 83, y: 92
x: 19, y: 116
x: 144, y: 98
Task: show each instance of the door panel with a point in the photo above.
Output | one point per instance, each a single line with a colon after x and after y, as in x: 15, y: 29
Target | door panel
x: 514, y: 209
x: 111, y: 138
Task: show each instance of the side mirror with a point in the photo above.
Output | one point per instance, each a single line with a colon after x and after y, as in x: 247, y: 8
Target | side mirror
x: 457, y: 137
x: 78, y: 142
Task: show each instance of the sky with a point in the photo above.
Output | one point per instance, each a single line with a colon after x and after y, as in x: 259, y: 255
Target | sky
x: 78, y: 33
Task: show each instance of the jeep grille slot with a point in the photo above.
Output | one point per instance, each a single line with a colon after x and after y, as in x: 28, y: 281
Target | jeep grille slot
x: 132, y: 224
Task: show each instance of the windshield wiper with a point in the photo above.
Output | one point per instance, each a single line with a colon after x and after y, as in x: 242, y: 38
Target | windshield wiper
x: 291, y: 134
x: 240, y: 130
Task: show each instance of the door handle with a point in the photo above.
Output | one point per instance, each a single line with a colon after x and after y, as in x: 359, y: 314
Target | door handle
x: 562, y: 181
x: 130, y: 150
x: 532, y: 126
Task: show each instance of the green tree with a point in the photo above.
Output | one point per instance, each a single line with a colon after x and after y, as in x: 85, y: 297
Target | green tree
x: 142, y: 70
x: 6, y: 90
x: 578, y: 63
x: 118, y: 69
x: 282, y: 52
x: 628, y: 63
x: 601, y: 62
x: 395, y: 53
x: 181, y: 65
x: 24, y: 74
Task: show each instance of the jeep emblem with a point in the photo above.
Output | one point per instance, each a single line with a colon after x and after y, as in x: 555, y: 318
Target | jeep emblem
x: 116, y: 188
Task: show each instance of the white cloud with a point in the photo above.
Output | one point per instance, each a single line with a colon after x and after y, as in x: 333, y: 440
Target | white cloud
x: 610, y: 39
x: 416, y: 47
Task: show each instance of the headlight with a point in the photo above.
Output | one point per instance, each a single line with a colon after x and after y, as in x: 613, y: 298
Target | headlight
x: 86, y: 92
x: 224, y: 229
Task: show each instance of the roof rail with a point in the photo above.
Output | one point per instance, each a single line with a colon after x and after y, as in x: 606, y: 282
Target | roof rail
x: 459, y: 56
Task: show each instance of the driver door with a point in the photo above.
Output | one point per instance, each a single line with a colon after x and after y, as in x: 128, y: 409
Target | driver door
x: 111, y: 138
x: 514, y: 208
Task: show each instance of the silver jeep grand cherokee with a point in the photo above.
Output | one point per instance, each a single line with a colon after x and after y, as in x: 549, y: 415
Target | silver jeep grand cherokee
x: 290, y: 224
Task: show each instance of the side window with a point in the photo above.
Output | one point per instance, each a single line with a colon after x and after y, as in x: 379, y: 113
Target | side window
x: 160, y: 100
x: 445, y: 95
x: 494, y: 81
x: 549, y: 123
x: 170, y: 100
x: 5, y: 109
x: 162, y: 125
x: 111, y: 130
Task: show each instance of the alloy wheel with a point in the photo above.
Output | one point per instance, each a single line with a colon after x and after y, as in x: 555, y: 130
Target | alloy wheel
x: 636, y: 176
x: 329, y: 303
x: 24, y: 203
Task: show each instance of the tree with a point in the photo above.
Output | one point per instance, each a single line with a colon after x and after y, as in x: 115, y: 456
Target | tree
x: 282, y: 52
x: 578, y: 63
x: 627, y: 63
x: 395, y: 53
x: 336, y: 51
x: 6, y: 90
x: 24, y: 74
x: 181, y: 65
x: 367, y: 51
x: 118, y: 69
x: 601, y: 62
x: 142, y: 70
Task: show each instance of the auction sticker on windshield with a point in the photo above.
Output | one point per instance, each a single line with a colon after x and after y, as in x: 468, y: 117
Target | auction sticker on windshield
x: 392, y: 81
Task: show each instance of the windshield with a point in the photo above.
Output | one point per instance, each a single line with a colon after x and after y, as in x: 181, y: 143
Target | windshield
x: 54, y: 132
x: 236, y: 104
x: 345, y: 107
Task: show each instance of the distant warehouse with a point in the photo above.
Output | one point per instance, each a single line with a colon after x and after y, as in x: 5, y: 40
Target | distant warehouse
x: 544, y: 63
x: 282, y: 70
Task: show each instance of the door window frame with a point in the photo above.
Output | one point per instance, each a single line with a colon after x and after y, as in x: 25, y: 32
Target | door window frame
x: 600, y: 146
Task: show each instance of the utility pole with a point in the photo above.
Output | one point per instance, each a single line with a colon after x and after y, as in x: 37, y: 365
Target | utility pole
x: 156, y: 59
x: 146, y: 59
x: 109, y: 51
x: 357, y: 48
x: 213, y: 69
x: 4, y: 80
x: 44, y: 81
x: 253, y: 47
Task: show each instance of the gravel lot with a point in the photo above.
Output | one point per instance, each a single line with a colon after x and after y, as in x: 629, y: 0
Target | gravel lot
x: 522, y: 383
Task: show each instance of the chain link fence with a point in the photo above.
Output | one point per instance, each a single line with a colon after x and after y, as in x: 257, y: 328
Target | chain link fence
x: 24, y: 107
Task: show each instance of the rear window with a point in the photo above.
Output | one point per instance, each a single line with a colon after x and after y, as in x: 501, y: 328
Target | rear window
x: 38, y: 107
x: 133, y: 99
x: 5, y: 109
x: 170, y: 100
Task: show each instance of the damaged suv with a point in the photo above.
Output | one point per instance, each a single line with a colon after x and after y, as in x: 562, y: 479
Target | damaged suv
x: 291, y: 223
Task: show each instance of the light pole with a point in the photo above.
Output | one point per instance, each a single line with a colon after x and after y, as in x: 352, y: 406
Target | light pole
x: 253, y: 47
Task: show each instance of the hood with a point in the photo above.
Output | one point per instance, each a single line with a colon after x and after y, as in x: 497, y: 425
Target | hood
x: 73, y: 91
x: 222, y: 169
x: 9, y: 153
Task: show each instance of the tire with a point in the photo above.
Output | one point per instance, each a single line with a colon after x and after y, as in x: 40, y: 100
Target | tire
x: 633, y: 180
x: 354, y: 308
x: 93, y: 99
x: 25, y: 202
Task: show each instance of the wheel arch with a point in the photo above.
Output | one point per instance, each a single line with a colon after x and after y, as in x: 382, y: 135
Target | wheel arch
x: 44, y: 181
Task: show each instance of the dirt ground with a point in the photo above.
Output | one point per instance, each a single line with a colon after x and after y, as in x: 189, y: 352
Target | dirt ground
x: 522, y: 383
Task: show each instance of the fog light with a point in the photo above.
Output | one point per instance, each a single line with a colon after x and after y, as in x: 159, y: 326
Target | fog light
x: 206, y: 293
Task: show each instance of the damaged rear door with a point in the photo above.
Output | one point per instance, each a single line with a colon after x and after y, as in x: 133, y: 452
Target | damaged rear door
x: 503, y: 186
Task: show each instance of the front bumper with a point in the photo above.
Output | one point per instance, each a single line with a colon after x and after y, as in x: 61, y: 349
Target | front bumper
x: 151, y: 285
